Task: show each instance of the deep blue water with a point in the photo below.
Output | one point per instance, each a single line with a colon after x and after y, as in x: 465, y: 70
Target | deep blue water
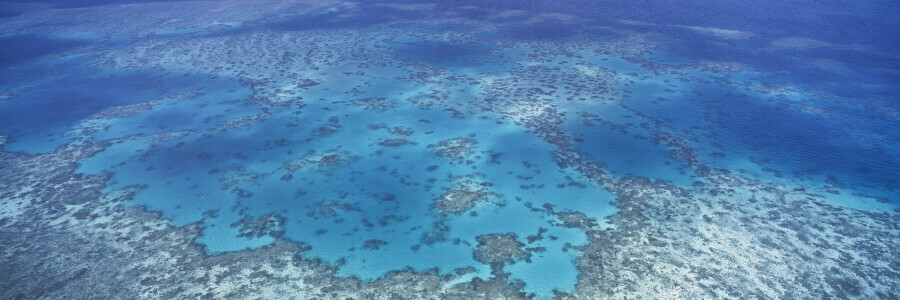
x: 17, y: 49
x: 787, y: 139
x: 841, y: 132
x: 83, y: 3
x: 43, y: 105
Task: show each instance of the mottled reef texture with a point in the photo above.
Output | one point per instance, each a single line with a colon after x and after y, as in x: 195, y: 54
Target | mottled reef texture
x: 764, y: 242
x: 464, y: 195
x: 500, y: 249
x: 64, y: 239
x: 730, y: 237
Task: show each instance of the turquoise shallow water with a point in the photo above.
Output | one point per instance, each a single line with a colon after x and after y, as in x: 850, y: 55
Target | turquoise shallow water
x: 208, y: 177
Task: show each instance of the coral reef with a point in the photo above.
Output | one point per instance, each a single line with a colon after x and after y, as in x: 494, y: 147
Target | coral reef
x: 500, y: 249
x: 463, y: 196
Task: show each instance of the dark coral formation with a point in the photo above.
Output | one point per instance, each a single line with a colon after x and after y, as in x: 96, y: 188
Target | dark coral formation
x: 456, y: 149
x: 244, y: 121
x: 327, y: 209
x: 500, y: 249
x: 373, y: 244
x: 374, y: 103
x: 463, y: 196
x: 324, y: 161
x: 333, y: 126
x: 396, y: 142
x: 403, y: 131
x: 267, y: 225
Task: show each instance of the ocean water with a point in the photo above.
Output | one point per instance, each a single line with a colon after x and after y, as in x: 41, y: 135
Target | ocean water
x: 344, y: 148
